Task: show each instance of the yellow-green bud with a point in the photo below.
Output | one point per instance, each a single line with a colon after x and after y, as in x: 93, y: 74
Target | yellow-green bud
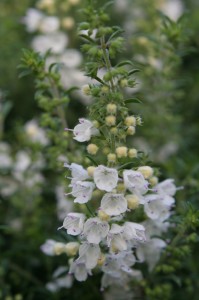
x: 130, y: 130
x: 121, y: 151
x: 110, y: 120
x: 132, y: 201
x: 103, y: 216
x: 106, y: 150
x: 96, y: 124
x: 68, y: 23
x: 73, y: 2
x: 86, y: 89
x: 91, y: 170
x: 59, y: 248
x: 111, y: 108
x: 124, y: 83
x: 153, y: 180
x: 111, y: 157
x: 105, y: 89
x: 92, y: 149
x: 114, y: 130
x: 132, y: 153
x: 72, y: 248
x: 130, y: 121
x: 146, y: 171
x: 138, y: 121
x: 121, y: 188
x: 101, y: 260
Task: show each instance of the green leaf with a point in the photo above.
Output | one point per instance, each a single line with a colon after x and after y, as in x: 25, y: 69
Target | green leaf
x: 132, y: 100
x: 124, y: 63
x: 114, y: 34
x: 133, y: 71
x: 92, y: 160
x: 129, y: 164
x: 24, y: 73
x: 88, y: 38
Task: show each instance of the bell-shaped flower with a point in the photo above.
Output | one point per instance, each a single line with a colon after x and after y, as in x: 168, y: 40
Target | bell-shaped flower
x: 90, y: 253
x: 82, y: 191
x: 113, y: 204
x: 105, y: 178
x: 95, y: 230
x: 135, y: 182
x: 150, y: 252
x: 79, y: 270
x: 48, y: 247
x: 77, y: 171
x: 84, y: 130
x: 166, y: 187
x: 134, y: 231
x: 116, y: 239
x: 74, y: 223
x: 155, y: 227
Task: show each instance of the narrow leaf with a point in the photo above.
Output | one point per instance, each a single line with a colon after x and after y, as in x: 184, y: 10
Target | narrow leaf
x: 133, y: 100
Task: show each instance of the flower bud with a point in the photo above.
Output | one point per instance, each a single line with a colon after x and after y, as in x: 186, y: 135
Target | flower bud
x: 92, y: 149
x: 72, y: 248
x: 132, y: 201
x: 124, y: 83
x: 111, y: 108
x: 146, y: 171
x: 121, y: 151
x: 74, y: 2
x: 110, y: 120
x: 103, y: 216
x: 86, y: 89
x: 138, y: 121
x: 101, y: 260
x: 96, y: 124
x: 130, y: 130
x: 106, y: 150
x: 130, y: 121
x: 68, y: 23
x: 132, y: 153
x: 105, y: 89
x: 153, y: 180
x: 121, y: 188
x: 114, y: 130
x: 59, y: 248
x: 91, y: 170
x: 111, y: 157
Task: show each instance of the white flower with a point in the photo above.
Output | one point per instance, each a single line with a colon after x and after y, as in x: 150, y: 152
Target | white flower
x: 82, y: 191
x: 71, y: 58
x: 78, y: 268
x: 51, y: 247
x: 155, y: 227
x: 84, y: 130
x: 74, y: 223
x: 64, y: 205
x: 113, y: 204
x: 32, y: 19
x: 56, y: 42
x: 95, y: 230
x: 5, y: 157
x: 49, y: 24
x: 65, y: 281
x: 135, y: 182
x: 91, y: 254
x: 116, y: 239
x: 150, y: 252
x: 77, y: 171
x: 105, y: 178
x: 35, y: 133
x: 134, y: 231
x: 166, y: 187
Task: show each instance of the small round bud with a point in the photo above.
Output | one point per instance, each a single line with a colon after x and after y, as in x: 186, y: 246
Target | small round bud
x: 121, y: 151
x: 153, y: 180
x: 71, y: 248
x: 59, y: 248
x: 106, y: 150
x: 97, y: 193
x: 114, y: 130
x: 96, y: 124
x: 68, y: 23
x: 86, y: 89
x: 111, y: 157
x: 74, y: 2
x: 130, y: 121
x: 91, y: 170
x: 105, y: 89
x: 111, y: 108
x: 132, y: 201
x: 103, y: 216
x: 124, y: 83
x: 130, y: 130
x: 101, y: 260
x: 146, y: 171
x: 143, y: 41
x: 132, y: 153
x: 110, y: 120
x: 138, y: 121
x: 92, y: 149
x: 121, y: 188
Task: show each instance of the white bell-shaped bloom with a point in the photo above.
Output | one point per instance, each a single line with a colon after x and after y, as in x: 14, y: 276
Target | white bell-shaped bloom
x: 158, y: 206
x: 166, y: 187
x: 135, y: 182
x: 77, y: 171
x: 155, y: 227
x: 113, y: 204
x: 134, y: 231
x: 150, y: 252
x: 95, y: 230
x: 105, y: 178
x: 56, y: 42
x: 84, y: 130
x: 91, y: 254
x: 32, y: 19
x: 116, y: 239
x: 48, y: 247
x: 49, y: 24
x: 82, y: 191
x: 79, y: 270
x: 74, y: 223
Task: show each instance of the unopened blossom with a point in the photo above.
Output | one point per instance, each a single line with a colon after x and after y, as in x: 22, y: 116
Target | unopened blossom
x: 135, y: 182
x: 105, y: 178
x: 113, y: 204
x: 82, y: 191
x: 91, y: 253
x: 150, y: 252
x: 74, y: 223
x: 79, y: 270
x: 84, y: 130
x: 95, y: 230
